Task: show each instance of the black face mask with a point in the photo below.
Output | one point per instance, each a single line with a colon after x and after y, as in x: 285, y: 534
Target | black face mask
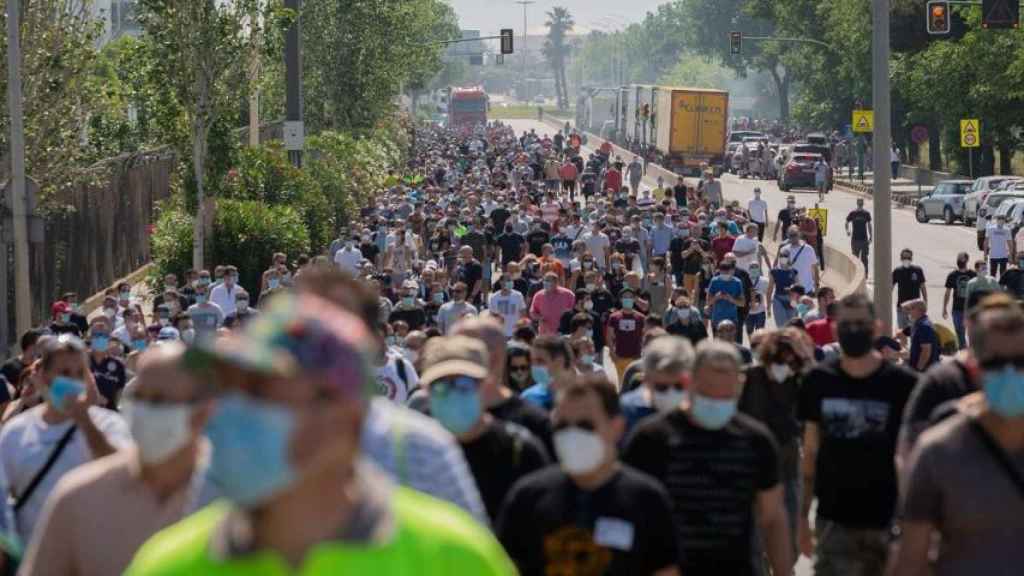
x: 856, y: 340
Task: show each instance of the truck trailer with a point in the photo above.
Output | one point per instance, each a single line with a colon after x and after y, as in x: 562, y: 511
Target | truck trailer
x: 691, y: 125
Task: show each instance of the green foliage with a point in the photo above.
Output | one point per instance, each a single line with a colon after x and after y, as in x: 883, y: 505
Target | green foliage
x: 247, y: 234
x: 556, y: 49
x: 695, y: 70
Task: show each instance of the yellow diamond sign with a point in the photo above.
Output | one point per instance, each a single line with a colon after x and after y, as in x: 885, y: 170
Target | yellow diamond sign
x: 970, y: 133
x: 863, y: 120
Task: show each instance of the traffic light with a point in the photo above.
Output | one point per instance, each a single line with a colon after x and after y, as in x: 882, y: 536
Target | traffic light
x: 1000, y: 14
x: 736, y: 43
x: 507, y: 42
x: 938, y: 17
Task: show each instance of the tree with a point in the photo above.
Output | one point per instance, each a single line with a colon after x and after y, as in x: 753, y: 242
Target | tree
x: 200, y: 48
x: 560, y: 23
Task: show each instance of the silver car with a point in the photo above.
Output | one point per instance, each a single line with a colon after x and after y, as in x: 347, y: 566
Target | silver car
x: 945, y: 201
x: 975, y: 201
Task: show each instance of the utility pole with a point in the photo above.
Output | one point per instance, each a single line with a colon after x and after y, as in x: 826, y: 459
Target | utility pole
x: 22, y: 294
x: 522, y: 79
x: 882, y: 142
x: 293, y: 81
x: 254, y: 79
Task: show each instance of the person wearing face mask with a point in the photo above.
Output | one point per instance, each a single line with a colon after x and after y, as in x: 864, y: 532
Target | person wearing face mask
x: 60, y: 319
x: 624, y: 332
x: 725, y: 296
x: 549, y: 304
x: 294, y: 390
x: 785, y: 219
x: 409, y: 309
x: 998, y: 246
x: 109, y: 373
x: 924, y: 341
x: 349, y: 256
x: 154, y: 484
x: 706, y: 435
x: 508, y: 302
x: 770, y: 395
x: 206, y: 316
x: 982, y: 284
x: 909, y: 281
x: 450, y: 312
x: 666, y: 363
x: 225, y: 294
x: 584, y: 353
x: 518, y: 367
x: 974, y: 450
x: 591, y: 514
x: 498, y: 453
x: 68, y: 429
x: 851, y: 407
x: 1012, y: 280
x: 551, y: 362
x: 956, y: 290
x: 684, y: 320
x: 758, y: 210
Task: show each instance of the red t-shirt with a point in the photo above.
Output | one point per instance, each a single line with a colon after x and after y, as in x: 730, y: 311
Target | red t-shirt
x: 821, y: 331
x: 613, y: 180
x: 720, y: 246
x: 628, y: 327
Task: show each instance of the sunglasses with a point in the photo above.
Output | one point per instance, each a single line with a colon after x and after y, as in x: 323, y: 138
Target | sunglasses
x: 582, y: 425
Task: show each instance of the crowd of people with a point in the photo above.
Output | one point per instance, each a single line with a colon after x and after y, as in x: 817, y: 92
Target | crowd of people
x: 502, y: 366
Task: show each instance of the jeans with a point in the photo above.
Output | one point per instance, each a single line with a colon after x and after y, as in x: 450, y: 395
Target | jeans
x: 860, y: 249
x: 996, y: 266
x: 844, y: 551
x: 782, y: 313
x: 755, y: 322
x: 895, y: 170
x: 958, y: 325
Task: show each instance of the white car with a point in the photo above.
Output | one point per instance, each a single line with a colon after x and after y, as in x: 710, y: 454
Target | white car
x: 979, y: 192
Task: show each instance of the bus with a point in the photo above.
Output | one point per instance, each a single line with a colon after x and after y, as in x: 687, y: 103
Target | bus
x: 467, y: 107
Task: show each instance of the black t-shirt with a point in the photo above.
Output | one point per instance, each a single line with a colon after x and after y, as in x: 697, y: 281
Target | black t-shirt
x: 111, y: 377
x: 550, y: 526
x: 604, y: 302
x: 503, y: 454
x: 511, y: 247
x: 858, y: 421
x: 477, y: 241
x: 1013, y: 282
x: 518, y: 411
x: 537, y: 239
x: 957, y: 281
x: 416, y: 318
x: 940, y: 384
x: 471, y: 272
x: 908, y: 281
x: 369, y: 251
x: 860, y: 219
x: 786, y: 218
x: 679, y: 191
x: 713, y: 478
x: 498, y: 217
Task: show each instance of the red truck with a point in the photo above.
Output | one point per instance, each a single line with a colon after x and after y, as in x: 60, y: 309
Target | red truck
x: 467, y: 107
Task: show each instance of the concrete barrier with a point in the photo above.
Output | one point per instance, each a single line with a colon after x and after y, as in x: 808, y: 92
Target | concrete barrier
x: 847, y: 274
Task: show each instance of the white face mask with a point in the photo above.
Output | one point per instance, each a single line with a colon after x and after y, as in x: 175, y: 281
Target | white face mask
x: 668, y: 400
x: 579, y: 451
x: 780, y: 372
x: 188, y: 335
x: 158, y: 430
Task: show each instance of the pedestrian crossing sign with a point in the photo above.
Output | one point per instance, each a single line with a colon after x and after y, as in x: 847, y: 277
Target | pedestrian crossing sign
x: 970, y: 133
x: 863, y: 120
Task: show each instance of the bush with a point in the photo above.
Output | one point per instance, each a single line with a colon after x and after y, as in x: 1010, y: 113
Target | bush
x: 246, y: 233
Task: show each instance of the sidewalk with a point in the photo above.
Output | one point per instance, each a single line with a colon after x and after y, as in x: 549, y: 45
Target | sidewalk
x: 904, y: 191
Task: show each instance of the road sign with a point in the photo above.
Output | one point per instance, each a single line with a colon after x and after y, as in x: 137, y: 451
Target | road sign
x: 863, y: 120
x: 820, y: 216
x: 919, y: 134
x: 996, y: 14
x: 970, y: 133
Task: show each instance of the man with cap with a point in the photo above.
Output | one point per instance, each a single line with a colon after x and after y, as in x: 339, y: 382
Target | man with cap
x: 286, y: 437
x: 151, y: 485
x: 409, y: 309
x: 498, y: 453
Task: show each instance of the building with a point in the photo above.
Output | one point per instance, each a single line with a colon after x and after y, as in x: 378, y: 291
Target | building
x: 118, y: 17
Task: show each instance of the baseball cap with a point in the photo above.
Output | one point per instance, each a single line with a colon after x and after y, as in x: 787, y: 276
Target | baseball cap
x: 168, y: 333
x: 300, y: 334
x: 453, y: 356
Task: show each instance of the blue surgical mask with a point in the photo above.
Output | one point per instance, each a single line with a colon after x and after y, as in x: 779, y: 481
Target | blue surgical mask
x: 801, y: 309
x: 627, y: 303
x: 100, y: 343
x: 587, y: 359
x: 541, y: 375
x: 711, y: 413
x: 250, y: 442
x: 457, y: 410
x: 62, y: 390
x: 273, y: 283
x: 1004, y: 391
x: 438, y: 297
x: 200, y: 298
x: 65, y: 317
x: 139, y: 344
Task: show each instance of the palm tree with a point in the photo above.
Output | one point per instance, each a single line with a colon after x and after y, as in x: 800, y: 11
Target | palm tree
x: 560, y: 23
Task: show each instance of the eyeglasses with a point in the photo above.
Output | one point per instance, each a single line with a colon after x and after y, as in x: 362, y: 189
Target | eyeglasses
x: 461, y: 384
x: 587, y: 425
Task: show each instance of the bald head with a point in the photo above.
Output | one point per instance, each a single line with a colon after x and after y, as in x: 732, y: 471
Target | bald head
x: 490, y: 331
x: 161, y: 375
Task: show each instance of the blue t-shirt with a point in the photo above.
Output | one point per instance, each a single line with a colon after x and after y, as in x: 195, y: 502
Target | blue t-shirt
x: 539, y: 395
x: 725, y: 309
x: 923, y: 333
x: 783, y: 280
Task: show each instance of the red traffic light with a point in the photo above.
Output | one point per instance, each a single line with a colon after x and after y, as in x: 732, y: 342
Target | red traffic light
x: 938, y: 17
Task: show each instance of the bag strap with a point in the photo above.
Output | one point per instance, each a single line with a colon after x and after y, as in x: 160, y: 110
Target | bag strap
x: 50, y: 461
x: 1000, y: 455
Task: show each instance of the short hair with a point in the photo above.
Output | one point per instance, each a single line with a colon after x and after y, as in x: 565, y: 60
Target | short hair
x: 825, y: 291
x: 555, y: 347
x: 29, y: 338
x: 578, y: 320
x: 716, y: 353
x: 598, y: 385
x: 668, y: 354
x: 857, y: 302
x: 995, y: 316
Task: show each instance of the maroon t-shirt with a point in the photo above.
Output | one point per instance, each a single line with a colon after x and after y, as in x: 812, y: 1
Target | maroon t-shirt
x: 628, y: 327
x: 720, y: 246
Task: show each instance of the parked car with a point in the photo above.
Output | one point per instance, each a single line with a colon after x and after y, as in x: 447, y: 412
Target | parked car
x: 945, y: 201
x: 981, y: 188
x: 799, y: 172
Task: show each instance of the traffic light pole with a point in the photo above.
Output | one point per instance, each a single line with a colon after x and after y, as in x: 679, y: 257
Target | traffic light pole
x: 782, y: 39
x: 881, y: 145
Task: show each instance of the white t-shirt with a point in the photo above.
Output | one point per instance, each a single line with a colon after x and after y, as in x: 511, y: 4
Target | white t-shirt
x: 598, y: 245
x: 744, y: 244
x: 221, y: 296
x: 998, y: 241
x: 25, y: 444
x: 804, y: 260
x: 1019, y: 240
x: 509, y: 306
x: 348, y: 260
x: 758, y: 210
x: 390, y: 383
x: 760, y: 287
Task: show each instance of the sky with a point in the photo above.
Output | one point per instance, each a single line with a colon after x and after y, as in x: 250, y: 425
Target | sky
x: 489, y: 16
